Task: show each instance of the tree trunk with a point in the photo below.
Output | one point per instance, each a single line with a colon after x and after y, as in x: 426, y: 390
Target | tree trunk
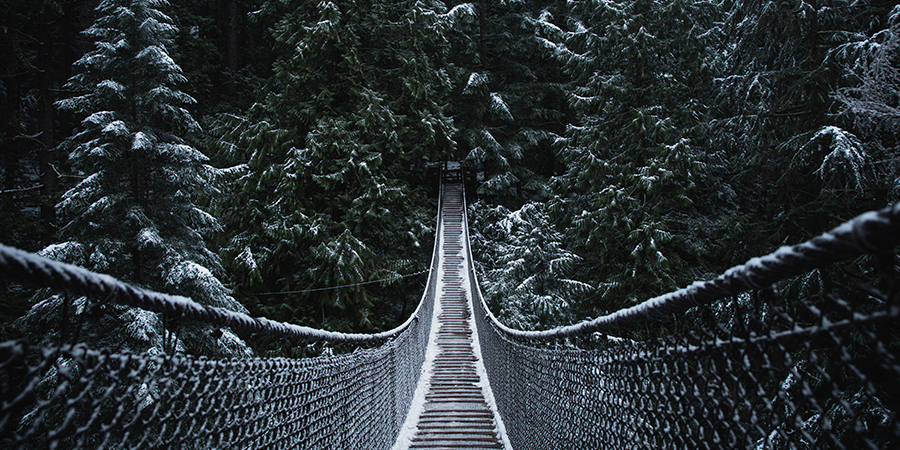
x: 482, y: 57
x: 46, y: 127
x: 232, y: 52
x: 67, y: 35
x: 12, y: 157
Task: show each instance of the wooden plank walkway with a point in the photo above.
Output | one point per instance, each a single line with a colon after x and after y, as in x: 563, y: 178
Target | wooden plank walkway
x: 456, y: 414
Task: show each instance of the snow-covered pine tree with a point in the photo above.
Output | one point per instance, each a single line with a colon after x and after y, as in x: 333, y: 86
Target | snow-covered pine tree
x: 801, y: 116
x: 331, y: 193
x: 134, y: 214
x: 869, y: 106
x: 526, y: 270
x: 641, y: 74
x: 511, y: 111
x: 509, y: 105
x: 793, y: 160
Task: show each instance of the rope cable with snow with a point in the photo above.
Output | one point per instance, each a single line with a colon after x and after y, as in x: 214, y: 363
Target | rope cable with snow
x: 875, y: 232
x: 748, y: 372
x: 23, y: 267
x: 74, y: 396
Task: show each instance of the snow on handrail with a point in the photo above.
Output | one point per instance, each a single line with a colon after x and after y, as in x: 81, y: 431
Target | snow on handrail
x: 23, y: 267
x: 874, y: 232
x: 28, y: 268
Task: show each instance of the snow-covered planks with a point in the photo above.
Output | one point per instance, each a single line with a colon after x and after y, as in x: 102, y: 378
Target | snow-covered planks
x: 455, y: 413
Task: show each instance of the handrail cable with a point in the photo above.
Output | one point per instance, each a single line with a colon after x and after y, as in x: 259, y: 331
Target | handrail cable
x: 114, y: 398
x: 28, y: 268
x: 876, y: 232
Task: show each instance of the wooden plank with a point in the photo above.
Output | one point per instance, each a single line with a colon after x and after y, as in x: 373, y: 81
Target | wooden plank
x: 455, y: 413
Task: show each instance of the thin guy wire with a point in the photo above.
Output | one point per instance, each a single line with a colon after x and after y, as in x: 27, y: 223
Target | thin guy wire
x: 331, y: 288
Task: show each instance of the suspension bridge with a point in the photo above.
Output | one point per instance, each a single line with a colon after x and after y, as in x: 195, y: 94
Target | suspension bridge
x: 740, y: 366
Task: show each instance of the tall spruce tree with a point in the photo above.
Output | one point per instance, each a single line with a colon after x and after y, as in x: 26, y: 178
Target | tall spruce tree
x: 641, y: 72
x: 868, y: 106
x: 792, y: 118
x: 794, y: 160
x: 806, y: 116
x: 509, y: 106
x: 526, y: 272
x: 510, y: 110
x: 134, y: 214
x: 332, y: 190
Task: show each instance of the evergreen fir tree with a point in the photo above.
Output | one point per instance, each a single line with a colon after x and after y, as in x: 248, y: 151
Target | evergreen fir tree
x: 870, y: 107
x: 635, y: 164
x: 793, y: 160
x: 526, y: 269
x: 509, y: 106
x: 134, y: 214
x: 336, y: 158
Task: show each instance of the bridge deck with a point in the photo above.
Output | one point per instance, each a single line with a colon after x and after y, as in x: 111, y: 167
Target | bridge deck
x: 455, y: 413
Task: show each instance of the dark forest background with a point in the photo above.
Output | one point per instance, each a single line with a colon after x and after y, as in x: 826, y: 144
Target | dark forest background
x: 243, y: 151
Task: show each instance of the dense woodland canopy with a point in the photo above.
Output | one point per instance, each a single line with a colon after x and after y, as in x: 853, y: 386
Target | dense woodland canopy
x: 243, y: 152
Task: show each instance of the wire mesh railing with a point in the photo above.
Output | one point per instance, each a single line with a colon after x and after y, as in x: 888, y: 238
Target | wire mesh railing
x: 744, y: 367
x: 74, y: 396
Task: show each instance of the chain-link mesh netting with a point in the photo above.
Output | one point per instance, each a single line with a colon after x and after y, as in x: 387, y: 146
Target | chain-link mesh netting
x: 750, y: 370
x: 76, y: 397
x: 73, y: 396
